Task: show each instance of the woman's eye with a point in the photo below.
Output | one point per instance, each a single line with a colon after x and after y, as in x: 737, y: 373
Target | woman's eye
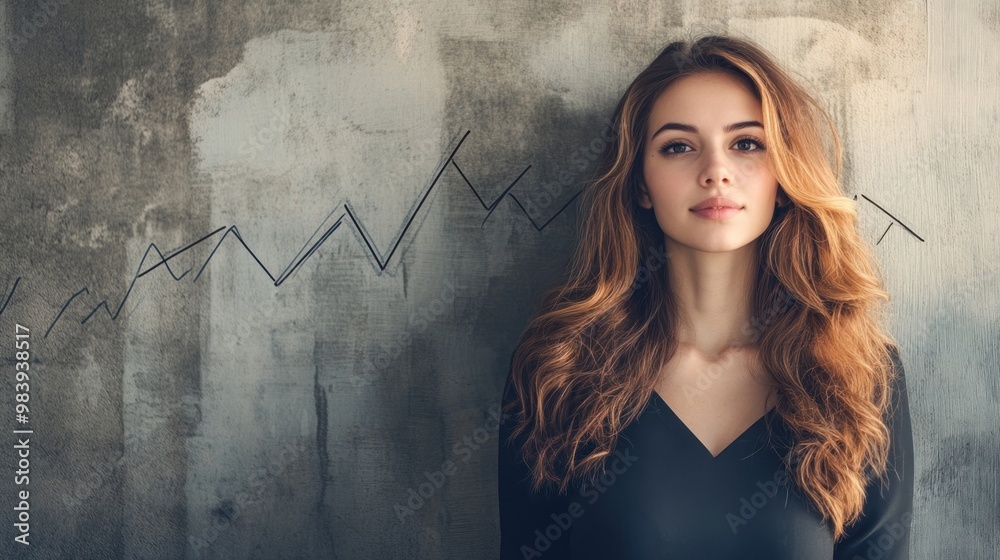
x: 669, y: 148
x: 750, y: 140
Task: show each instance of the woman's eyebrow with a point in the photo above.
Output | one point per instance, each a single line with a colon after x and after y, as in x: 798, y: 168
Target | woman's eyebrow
x: 692, y: 129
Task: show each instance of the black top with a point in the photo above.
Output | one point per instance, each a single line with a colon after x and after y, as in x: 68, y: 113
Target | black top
x: 664, y: 496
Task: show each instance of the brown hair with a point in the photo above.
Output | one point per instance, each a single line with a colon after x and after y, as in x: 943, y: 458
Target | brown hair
x: 588, y: 361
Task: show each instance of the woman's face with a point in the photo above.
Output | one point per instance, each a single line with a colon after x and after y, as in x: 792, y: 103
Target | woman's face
x: 691, y: 157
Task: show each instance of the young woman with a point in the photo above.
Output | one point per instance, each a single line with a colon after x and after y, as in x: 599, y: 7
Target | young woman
x: 714, y: 379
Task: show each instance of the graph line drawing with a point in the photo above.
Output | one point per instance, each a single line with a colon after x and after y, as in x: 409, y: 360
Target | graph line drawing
x: 319, y: 236
x: 894, y: 220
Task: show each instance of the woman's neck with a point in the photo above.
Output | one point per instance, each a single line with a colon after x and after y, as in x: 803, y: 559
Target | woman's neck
x: 712, y: 291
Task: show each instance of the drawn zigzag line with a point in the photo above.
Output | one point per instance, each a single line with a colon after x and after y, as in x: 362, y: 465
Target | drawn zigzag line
x: 310, y: 246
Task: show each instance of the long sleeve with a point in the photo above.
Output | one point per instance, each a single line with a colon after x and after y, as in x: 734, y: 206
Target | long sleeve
x: 525, y: 517
x: 883, y: 531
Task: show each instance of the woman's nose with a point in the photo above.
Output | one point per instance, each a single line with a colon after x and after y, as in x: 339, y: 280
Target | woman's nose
x: 718, y: 167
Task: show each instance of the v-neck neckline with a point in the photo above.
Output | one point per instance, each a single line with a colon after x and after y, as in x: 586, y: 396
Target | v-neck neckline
x: 701, y: 445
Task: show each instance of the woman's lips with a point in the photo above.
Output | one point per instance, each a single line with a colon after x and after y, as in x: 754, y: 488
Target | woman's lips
x: 716, y: 213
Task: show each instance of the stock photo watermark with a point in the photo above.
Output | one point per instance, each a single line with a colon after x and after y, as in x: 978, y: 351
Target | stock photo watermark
x: 28, y: 27
x: 417, y: 497
x: 753, y: 328
x: 277, y: 124
x: 580, y: 159
x: 417, y: 323
x: 892, y: 534
x: 756, y: 325
x: 654, y: 261
x: 85, y: 487
x: 250, y: 493
x: 562, y: 522
x: 749, y: 508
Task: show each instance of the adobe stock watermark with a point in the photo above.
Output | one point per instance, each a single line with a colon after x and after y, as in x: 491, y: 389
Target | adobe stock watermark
x: 654, y: 261
x: 756, y: 325
x: 581, y: 159
x: 418, y: 322
x: 563, y: 522
x: 98, y: 477
x: 85, y: 487
x: 753, y: 328
x: 959, y: 294
x: 891, y: 535
x: 30, y: 26
x: 748, y: 509
x: 707, y: 376
x: 250, y: 493
x: 416, y: 498
x: 267, y: 135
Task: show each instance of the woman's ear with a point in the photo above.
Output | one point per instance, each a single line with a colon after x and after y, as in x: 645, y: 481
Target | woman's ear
x: 644, y: 196
x: 781, y: 199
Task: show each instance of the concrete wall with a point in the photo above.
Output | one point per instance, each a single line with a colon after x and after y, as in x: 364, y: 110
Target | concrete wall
x: 221, y: 407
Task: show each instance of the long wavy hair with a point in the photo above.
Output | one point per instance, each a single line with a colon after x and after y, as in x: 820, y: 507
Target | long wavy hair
x: 588, y: 361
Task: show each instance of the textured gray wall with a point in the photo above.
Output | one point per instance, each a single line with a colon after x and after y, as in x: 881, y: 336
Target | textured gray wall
x: 233, y: 414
